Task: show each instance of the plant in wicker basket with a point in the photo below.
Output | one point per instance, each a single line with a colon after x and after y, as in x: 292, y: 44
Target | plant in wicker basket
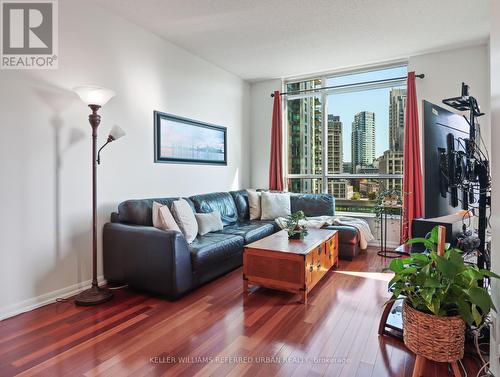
x: 441, y: 293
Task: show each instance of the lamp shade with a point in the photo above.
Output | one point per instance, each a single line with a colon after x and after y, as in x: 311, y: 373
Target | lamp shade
x: 94, y: 95
x: 116, y: 133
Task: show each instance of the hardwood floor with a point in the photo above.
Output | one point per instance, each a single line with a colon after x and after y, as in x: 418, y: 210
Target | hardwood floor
x: 218, y: 331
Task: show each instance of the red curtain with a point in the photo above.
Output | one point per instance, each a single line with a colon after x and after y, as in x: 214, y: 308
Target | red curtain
x: 276, y: 160
x: 412, y: 174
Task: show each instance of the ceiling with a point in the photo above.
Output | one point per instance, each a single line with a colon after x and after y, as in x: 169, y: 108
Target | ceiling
x: 261, y: 39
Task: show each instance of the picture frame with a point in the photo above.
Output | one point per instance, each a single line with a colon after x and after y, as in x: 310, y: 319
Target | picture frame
x: 180, y: 140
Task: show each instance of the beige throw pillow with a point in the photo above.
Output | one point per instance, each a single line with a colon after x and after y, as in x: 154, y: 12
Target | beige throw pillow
x: 184, y: 216
x: 168, y: 219
x: 274, y: 205
x: 254, y: 204
x: 156, y: 216
x: 162, y: 218
x: 208, y: 222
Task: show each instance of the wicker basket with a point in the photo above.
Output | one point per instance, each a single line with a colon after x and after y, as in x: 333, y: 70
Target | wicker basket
x: 436, y: 338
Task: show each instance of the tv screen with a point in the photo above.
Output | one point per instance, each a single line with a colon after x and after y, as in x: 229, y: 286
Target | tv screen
x: 438, y: 124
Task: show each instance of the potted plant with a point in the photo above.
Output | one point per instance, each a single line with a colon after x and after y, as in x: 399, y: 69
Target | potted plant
x: 292, y: 226
x: 387, y: 198
x: 441, y: 294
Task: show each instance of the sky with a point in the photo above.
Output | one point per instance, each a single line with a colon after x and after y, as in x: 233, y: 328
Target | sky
x: 346, y: 105
x: 182, y: 134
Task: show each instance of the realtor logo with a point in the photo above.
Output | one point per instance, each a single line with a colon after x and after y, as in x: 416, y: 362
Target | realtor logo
x: 29, y: 34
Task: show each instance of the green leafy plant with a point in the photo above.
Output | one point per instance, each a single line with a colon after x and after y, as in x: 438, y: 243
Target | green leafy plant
x: 292, y: 225
x: 441, y: 285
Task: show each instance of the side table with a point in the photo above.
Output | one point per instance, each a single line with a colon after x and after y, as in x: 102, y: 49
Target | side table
x: 385, y: 212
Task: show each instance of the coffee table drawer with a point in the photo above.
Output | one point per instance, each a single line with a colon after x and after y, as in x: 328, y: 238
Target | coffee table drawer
x: 333, y: 251
x: 311, y: 268
x: 273, y: 269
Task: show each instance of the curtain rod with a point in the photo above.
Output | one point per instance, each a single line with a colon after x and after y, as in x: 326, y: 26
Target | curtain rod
x: 420, y: 76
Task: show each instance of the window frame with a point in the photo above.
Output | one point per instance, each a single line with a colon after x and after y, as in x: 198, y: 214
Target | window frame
x: 323, y: 94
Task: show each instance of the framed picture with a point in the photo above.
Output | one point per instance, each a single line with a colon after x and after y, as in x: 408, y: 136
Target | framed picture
x: 187, y: 141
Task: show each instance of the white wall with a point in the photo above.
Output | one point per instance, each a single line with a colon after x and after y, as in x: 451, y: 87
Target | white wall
x: 444, y: 72
x: 261, y: 114
x: 45, y: 226
x: 495, y: 172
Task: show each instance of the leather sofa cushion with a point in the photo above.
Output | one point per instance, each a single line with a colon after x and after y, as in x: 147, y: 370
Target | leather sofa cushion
x: 214, y: 249
x: 240, y: 198
x: 221, y: 202
x: 140, y: 211
x: 313, y: 204
x: 347, y: 234
x: 251, y: 230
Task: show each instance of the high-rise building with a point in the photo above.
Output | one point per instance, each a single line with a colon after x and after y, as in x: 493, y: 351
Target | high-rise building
x: 392, y: 160
x: 340, y: 188
x: 305, y: 139
x: 335, y: 149
x: 397, y: 112
x: 391, y: 163
x: 363, y: 140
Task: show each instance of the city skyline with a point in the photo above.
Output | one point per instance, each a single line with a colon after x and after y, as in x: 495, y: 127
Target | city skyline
x: 346, y: 105
x: 395, y: 130
x: 358, y: 141
x: 307, y: 126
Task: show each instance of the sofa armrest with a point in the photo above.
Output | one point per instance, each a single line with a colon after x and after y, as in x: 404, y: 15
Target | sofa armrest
x: 147, y: 258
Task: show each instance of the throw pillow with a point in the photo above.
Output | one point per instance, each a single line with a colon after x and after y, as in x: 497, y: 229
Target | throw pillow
x: 208, y: 222
x: 167, y: 219
x: 184, y: 216
x: 162, y: 218
x: 254, y: 204
x: 157, y: 223
x: 274, y: 205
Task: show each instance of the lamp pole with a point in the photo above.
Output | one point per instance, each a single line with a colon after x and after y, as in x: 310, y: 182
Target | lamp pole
x: 94, y: 120
x: 94, y: 295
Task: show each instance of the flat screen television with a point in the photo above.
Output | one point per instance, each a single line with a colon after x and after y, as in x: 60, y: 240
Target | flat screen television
x: 438, y: 124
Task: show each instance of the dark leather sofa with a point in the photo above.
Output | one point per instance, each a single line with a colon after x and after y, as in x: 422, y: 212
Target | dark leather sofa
x: 162, y: 262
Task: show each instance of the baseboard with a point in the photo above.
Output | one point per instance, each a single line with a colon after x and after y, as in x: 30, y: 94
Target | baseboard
x: 45, y: 299
x: 390, y: 245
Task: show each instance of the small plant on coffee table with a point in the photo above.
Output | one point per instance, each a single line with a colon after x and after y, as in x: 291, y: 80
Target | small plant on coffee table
x: 294, y: 229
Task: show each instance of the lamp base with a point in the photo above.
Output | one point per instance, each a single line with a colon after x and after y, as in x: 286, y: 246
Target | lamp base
x: 93, y: 296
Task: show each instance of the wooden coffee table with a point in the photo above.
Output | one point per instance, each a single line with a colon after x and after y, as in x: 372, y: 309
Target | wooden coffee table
x: 290, y: 265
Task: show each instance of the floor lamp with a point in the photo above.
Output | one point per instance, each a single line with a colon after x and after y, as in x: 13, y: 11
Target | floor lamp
x: 95, y: 97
